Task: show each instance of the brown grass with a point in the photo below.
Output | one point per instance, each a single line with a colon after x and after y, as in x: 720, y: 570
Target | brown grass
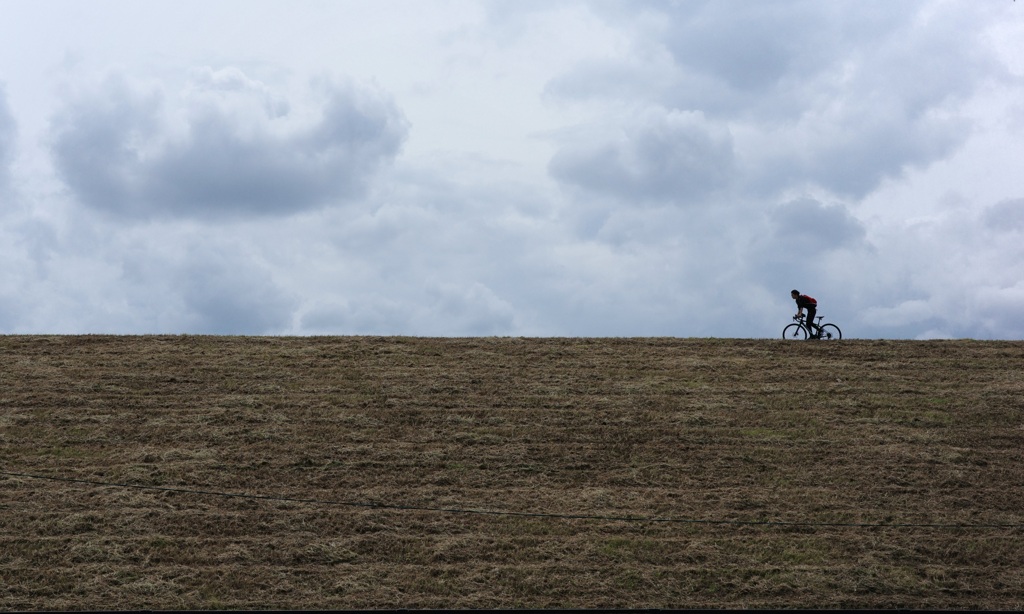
x: 826, y: 436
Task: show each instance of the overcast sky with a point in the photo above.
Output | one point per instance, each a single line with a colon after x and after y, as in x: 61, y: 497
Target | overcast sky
x: 512, y: 167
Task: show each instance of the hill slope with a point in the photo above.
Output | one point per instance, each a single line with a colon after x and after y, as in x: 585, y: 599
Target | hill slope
x: 653, y: 473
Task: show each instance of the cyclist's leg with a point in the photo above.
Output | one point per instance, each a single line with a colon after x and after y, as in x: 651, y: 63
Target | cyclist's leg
x: 811, y: 328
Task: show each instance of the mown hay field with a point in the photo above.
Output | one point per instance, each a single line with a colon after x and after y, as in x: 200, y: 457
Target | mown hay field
x: 390, y: 472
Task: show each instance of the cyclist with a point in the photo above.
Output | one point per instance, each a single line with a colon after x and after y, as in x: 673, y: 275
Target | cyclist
x: 805, y: 302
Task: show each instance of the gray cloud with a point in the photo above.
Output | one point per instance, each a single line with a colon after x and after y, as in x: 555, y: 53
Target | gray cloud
x: 808, y: 227
x: 233, y: 298
x: 750, y: 48
x: 858, y: 153
x: 193, y: 282
x: 749, y: 58
x: 7, y: 136
x: 839, y: 98
x: 1005, y: 216
x: 229, y: 148
x: 673, y: 156
x: 804, y: 244
x: 432, y: 308
x: 999, y: 313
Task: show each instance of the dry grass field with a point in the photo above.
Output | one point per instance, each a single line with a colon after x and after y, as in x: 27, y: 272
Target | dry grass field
x: 387, y: 472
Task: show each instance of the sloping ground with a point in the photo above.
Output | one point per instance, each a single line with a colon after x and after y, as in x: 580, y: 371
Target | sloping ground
x: 856, y: 474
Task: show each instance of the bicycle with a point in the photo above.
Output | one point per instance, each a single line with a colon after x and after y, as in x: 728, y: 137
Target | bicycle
x: 800, y: 330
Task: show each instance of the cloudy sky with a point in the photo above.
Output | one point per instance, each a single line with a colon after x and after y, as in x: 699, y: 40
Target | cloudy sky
x: 512, y: 167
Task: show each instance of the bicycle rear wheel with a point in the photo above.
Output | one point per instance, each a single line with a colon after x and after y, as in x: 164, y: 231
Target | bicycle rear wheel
x: 830, y: 332
x: 794, y: 331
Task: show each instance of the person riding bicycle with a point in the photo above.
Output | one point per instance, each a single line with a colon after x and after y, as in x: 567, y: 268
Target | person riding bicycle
x: 805, y: 302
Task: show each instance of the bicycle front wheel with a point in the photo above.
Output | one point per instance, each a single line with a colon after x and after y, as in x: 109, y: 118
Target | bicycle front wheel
x: 794, y: 331
x: 830, y: 332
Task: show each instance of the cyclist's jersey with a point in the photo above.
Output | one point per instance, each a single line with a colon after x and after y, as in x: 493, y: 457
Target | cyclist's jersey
x: 805, y: 302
